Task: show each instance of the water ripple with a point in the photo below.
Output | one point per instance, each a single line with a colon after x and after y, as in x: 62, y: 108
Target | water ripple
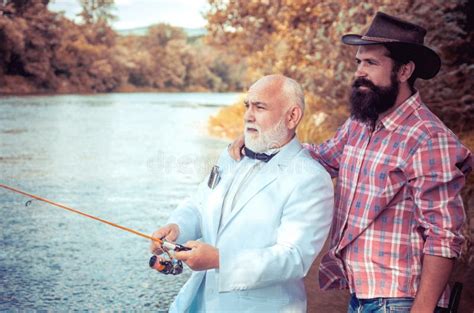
x: 93, y: 153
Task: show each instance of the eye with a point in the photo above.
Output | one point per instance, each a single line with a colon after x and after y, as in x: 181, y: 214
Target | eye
x: 357, y: 61
x: 371, y: 62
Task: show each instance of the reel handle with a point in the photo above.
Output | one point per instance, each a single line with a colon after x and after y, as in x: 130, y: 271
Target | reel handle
x: 171, y: 266
x: 174, y: 246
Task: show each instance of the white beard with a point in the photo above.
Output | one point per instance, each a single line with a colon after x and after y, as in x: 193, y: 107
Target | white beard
x: 264, y: 141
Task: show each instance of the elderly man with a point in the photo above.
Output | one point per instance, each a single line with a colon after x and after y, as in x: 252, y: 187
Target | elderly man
x: 263, y: 223
x: 400, y: 171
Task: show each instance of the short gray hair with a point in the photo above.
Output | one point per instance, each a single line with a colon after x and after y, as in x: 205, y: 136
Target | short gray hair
x: 294, y: 91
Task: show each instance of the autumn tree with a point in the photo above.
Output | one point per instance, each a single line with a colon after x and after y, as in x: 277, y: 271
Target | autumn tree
x: 301, y: 39
x: 165, y: 59
x: 21, y: 5
x: 28, y: 38
x: 97, y: 11
x: 43, y: 51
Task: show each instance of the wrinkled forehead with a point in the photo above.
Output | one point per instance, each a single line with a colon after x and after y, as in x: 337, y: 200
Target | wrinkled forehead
x: 269, y: 91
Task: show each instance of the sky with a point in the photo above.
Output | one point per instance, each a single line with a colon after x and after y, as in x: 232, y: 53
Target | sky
x: 139, y: 13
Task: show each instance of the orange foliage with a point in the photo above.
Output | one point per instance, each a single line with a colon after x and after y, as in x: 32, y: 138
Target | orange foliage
x: 228, y: 122
x: 301, y: 39
x: 45, y: 52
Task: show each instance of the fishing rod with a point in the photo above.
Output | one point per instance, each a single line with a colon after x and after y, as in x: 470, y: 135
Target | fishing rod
x: 171, y: 266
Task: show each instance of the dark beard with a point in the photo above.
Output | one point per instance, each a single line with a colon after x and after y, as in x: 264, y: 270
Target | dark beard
x: 367, y: 105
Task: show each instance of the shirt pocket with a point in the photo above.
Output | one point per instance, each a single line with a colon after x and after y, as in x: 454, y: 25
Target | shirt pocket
x: 386, y: 173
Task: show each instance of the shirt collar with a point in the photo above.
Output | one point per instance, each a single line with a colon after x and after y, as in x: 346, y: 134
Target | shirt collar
x: 285, y: 153
x: 272, y: 151
x: 395, y: 118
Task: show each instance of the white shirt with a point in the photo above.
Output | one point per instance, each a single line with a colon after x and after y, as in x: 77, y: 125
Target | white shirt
x: 248, y: 170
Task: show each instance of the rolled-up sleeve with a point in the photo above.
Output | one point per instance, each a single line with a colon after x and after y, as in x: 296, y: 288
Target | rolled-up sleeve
x: 436, y: 174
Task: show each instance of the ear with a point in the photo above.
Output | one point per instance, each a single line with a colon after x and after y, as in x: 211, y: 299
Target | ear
x: 294, y: 116
x: 405, y: 71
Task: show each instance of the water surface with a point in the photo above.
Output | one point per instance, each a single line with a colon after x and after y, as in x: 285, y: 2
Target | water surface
x: 128, y: 158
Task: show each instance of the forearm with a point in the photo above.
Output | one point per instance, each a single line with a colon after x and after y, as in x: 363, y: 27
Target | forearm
x: 434, y: 277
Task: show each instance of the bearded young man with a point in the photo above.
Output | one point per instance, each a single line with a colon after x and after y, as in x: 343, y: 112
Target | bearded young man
x: 263, y: 222
x: 400, y: 170
x: 398, y: 212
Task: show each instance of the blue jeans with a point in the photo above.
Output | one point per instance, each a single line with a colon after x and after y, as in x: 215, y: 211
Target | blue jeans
x: 382, y: 305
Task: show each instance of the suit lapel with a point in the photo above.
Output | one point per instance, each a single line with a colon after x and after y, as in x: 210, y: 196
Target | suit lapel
x: 263, y: 178
x: 259, y: 182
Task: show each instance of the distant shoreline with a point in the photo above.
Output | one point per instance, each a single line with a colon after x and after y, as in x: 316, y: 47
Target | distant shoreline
x: 33, y: 94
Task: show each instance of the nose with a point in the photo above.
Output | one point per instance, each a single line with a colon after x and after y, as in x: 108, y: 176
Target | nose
x: 360, y: 71
x: 249, y: 117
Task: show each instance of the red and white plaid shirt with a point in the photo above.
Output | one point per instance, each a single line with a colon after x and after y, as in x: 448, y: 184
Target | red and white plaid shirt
x: 397, y: 198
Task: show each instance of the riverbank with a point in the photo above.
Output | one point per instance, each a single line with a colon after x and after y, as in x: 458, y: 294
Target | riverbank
x: 20, y: 86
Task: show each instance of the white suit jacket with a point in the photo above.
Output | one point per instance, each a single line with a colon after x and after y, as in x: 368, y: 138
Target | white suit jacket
x: 267, y: 244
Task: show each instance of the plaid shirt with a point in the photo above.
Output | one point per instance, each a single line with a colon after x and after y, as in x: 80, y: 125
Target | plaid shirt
x: 397, y: 198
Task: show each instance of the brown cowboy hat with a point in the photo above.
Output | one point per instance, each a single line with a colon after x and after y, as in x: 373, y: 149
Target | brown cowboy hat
x: 386, y: 29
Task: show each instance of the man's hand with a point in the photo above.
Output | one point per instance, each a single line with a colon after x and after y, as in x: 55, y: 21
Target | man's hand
x: 201, y: 257
x: 236, y: 147
x: 168, y: 232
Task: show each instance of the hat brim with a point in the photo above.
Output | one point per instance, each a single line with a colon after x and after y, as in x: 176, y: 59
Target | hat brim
x: 427, y: 62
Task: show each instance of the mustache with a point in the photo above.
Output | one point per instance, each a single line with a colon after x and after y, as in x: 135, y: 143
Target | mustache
x: 250, y: 125
x: 363, y: 82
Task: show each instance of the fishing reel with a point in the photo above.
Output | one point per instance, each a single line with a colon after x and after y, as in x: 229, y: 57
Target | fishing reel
x: 171, y: 265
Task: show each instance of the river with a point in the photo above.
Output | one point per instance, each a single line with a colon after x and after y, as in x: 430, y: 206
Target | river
x: 127, y: 158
